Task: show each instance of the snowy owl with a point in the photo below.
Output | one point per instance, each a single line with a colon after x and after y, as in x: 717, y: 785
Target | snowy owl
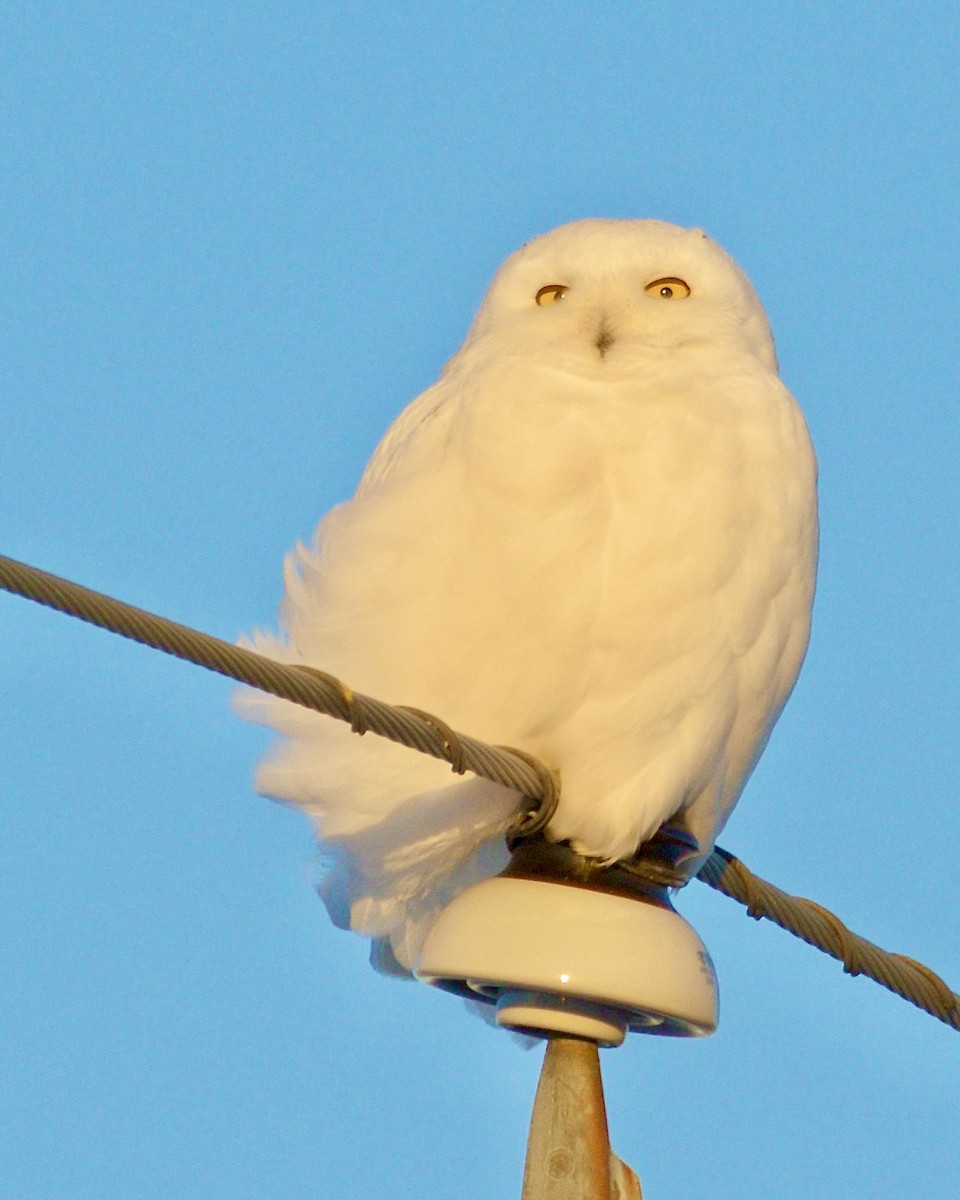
x: 594, y: 539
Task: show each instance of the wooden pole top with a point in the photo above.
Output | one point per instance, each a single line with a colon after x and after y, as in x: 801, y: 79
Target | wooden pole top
x: 568, y: 1152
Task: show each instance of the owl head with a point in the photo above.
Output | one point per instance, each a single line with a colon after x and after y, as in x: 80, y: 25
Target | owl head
x: 599, y: 296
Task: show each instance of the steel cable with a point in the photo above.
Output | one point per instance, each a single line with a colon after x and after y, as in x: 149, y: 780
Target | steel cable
x: 513, y: 768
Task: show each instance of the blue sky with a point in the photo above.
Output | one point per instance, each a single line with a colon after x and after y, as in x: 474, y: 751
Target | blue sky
x: 235, y: 241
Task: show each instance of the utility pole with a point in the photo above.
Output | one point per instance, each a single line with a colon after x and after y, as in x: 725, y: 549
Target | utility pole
x: 568, y: 1152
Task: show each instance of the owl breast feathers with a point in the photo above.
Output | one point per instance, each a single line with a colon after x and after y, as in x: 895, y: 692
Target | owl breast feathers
x: 594, y: 538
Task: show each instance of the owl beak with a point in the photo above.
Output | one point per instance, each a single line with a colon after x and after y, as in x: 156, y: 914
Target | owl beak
x: 604, y: 339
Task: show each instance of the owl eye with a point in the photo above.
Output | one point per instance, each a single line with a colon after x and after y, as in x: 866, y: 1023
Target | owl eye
x: 551, y: 293
x: 669, y: 288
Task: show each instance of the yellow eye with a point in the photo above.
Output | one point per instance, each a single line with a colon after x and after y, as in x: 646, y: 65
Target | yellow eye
x: 669, y: 288
x: 551, y: 293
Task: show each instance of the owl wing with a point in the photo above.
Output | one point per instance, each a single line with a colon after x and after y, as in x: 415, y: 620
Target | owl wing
x: 426, y: 419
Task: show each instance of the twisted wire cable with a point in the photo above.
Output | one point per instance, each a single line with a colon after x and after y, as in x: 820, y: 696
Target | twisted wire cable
x: 502, y: 764
x: 819, y: 927
x: 302, y: 685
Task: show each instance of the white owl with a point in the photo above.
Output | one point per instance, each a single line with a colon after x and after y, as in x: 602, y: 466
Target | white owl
x: 594, y: 538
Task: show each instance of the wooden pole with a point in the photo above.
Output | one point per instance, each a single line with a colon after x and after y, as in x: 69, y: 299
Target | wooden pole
x: 568, y: 1152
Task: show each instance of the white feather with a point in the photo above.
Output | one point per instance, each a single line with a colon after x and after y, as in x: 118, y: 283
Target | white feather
x: 594, y: 539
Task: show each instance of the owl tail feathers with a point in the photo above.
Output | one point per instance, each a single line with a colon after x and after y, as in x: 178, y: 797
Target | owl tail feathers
x: 334, y: 892
x: 403, y: 835
x: 391, y: 888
